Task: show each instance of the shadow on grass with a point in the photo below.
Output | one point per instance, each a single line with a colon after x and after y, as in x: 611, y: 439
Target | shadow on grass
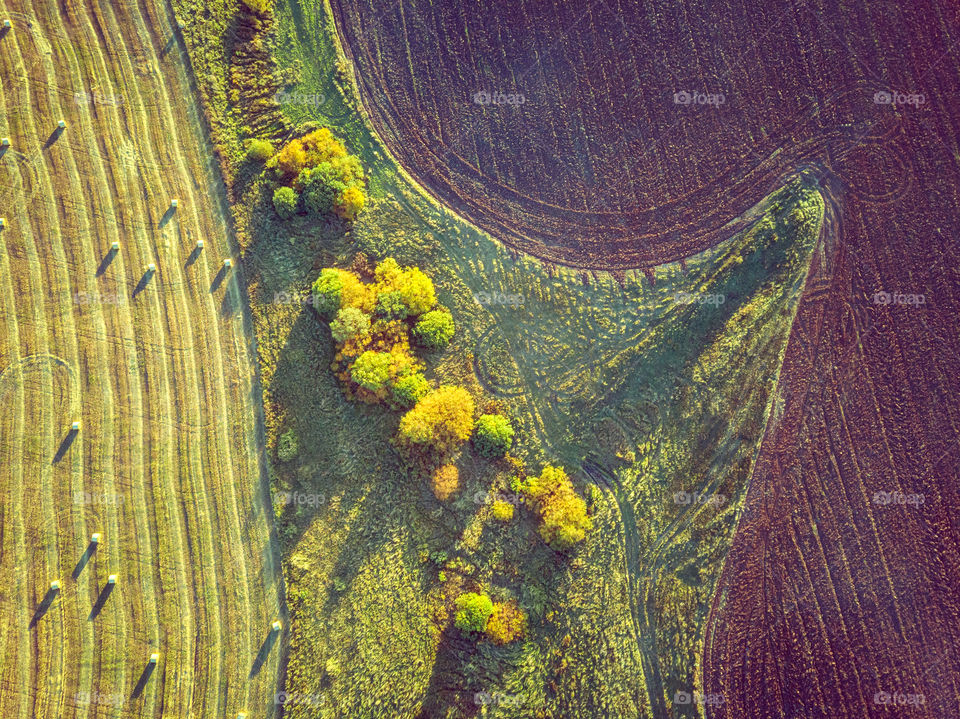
x: 85, y: 557
x: 54, y: 136
x: 264, y: 652
x: 219, y: 278
x: 44, y: 606
x: 193, y: 257
x: 167, y: 216
x: 448, y: 686
x: 144, y: 281
x: 142, y: 681
x: 105, y: 262
x: 101, y: 601
x: 65, y: 445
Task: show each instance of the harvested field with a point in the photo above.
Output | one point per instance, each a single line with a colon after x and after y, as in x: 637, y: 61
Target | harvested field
x: 158, y: 368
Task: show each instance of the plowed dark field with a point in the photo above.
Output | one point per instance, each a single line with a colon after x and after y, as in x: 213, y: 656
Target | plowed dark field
x: 841, y: 596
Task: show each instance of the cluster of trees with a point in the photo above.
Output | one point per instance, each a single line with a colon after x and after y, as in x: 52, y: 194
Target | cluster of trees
x: 375, y: 321
x: 563, y: 513
x: 501, y: 622
x: 315, y: 174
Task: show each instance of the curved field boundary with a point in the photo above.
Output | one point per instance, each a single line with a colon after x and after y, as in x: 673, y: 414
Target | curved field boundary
x: 167, y: 465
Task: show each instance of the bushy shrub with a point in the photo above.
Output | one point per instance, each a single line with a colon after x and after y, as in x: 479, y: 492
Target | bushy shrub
x: 336, y: 289
x: 493, y: 435
x: 349, y: 323
x: 350, y: 203
x: 261, y: 7
x: 473, y: 611
x: 288, y: 446
x: 439, y: 422
x: 285, y: 202
x: 506, y: 623
x: 434, y: 329
x: 371, y: 370
x: 259, y: 150
x: 414, y: 288
x: 390, y: 305
x: 563, y: 513
x: 445, y: 481
x: 410, y: 389
x: 327, y: 291
x: 320, y: 188
x: 502, y: 510
x: 305, y: 152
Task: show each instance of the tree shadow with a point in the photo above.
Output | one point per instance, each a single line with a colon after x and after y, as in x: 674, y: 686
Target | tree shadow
x: 105, y: 262
x: 142, y: 681
x: 448, y: 686
x: 44, y: 606
x: 87, y: 553
x: 65, y: 445
x: 101, y: 601
x: 142, y: 284
x: 264, y: 652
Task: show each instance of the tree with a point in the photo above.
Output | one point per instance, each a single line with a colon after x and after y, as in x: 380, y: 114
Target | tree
x: 414, y: 288
x: 321, y: 188
x: 410, y: 389
x: 336, y: 289
x: 493, y: 435
x: 439, y: 422
x: 473, y: 610
x: 327, y: 291
x: 390, y: 305
x: 563, y: 513
x: 506, y: 623
x: 306, y: 152
x: 434, y: 329
x: 288, y: 446
x: 350, y: 322
x: 259, y: 150
x: 371, y: 370
x: 502, y: 510
x: 445, y: 481
x: 285, y: 202
x: 350, y: 203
